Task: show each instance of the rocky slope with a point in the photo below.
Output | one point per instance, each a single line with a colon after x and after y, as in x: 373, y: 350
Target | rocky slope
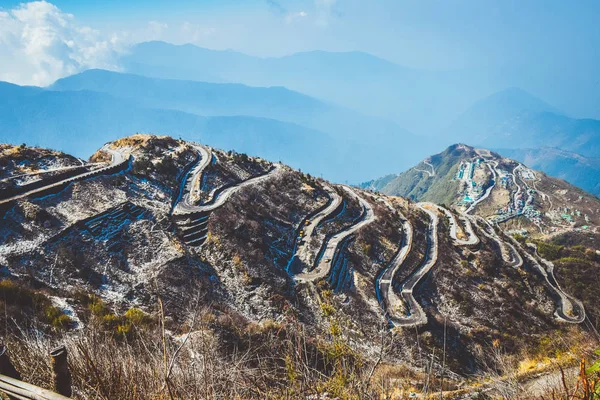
x: 181, y: 226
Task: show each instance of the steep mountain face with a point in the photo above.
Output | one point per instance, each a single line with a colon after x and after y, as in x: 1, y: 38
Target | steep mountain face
x: 578, y: 170
x: 496, y: 188
x: 165, y: 227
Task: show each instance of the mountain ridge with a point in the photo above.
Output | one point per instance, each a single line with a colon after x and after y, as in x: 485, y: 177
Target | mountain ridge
x: 79, y: 121
x: 266, y: 248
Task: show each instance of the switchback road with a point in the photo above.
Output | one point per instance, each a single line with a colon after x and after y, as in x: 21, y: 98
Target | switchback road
x: 192, y: 181
x: 303, y: 250
x: 472, y: 240
x: 328, y: 257
x: 386, y: 296
x: 415, y: 314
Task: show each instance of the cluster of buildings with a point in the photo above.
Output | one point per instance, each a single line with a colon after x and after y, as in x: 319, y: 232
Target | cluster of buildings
x: 465, y: 173
x: 522, y: 200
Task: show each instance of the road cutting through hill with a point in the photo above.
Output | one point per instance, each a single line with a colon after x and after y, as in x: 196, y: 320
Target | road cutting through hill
x: 509, y: 254
x: 49, y: 171
x: 331, y: 252
x: 117, y: 160
x: 415, y: 313
x: 570, y: 309
x: 471, y: 241
x: 429, y: 173
x: 487, y: 192
x: 384, y: 287
x: 302, y: 251
x: 191, y: 184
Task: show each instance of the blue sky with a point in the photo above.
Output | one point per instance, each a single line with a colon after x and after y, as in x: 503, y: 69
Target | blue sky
x: 426, y: 34
x: 548, y: 39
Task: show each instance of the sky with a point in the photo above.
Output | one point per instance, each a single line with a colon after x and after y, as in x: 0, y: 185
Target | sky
x: 43, y: 41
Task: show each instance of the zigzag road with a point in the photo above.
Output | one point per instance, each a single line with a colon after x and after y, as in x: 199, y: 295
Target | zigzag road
x: 192, y: 182
x: 386, y: 296
x: 331, y: 250
x: 570, y: 309
x: 192, y: 220
x: 509, y: 254
x: 473, y: 239
x: 302, y: 252
x: 416, y: 315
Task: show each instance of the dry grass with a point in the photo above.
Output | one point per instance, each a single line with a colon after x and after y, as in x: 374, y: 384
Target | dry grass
x: 210, y: 357
x: 100, y: 156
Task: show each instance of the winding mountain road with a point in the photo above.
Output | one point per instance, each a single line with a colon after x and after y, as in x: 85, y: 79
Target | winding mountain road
x: 117, y: 160
x: 509, y: 254
x: 303, y: 252
x: 570, y: 309
x: 471, y: 241
x: 48, y: 171
x: 429, y: 173
x: 191, y: 184
x: 416, y: 315
x: 384, y: 288
x: 187, y: 207
x: 191, y: 219
x: 332, y: 245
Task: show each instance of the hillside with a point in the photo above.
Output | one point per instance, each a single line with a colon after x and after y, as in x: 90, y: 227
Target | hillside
x: 496, y: 188
x: 287, y: 283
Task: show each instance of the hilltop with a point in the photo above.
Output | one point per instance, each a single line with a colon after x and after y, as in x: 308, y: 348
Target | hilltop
x: 502, y: 190
x: 163, y: 242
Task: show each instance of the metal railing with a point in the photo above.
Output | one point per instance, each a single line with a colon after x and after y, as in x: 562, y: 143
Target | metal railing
x: 15, y: 388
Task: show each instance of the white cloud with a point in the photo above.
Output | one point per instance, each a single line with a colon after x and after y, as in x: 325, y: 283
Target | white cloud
x: 39, y: 44
x: 294, y: 16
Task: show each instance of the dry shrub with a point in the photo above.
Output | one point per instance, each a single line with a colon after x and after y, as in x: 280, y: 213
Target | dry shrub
x: 209, y: 360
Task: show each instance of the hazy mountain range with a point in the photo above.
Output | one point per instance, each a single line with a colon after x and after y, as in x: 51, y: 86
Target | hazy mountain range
x: 80, y: 121
x: 514, y: 118
x: 80, y: 113
x: 336, y: 110
x: 423, y: 101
